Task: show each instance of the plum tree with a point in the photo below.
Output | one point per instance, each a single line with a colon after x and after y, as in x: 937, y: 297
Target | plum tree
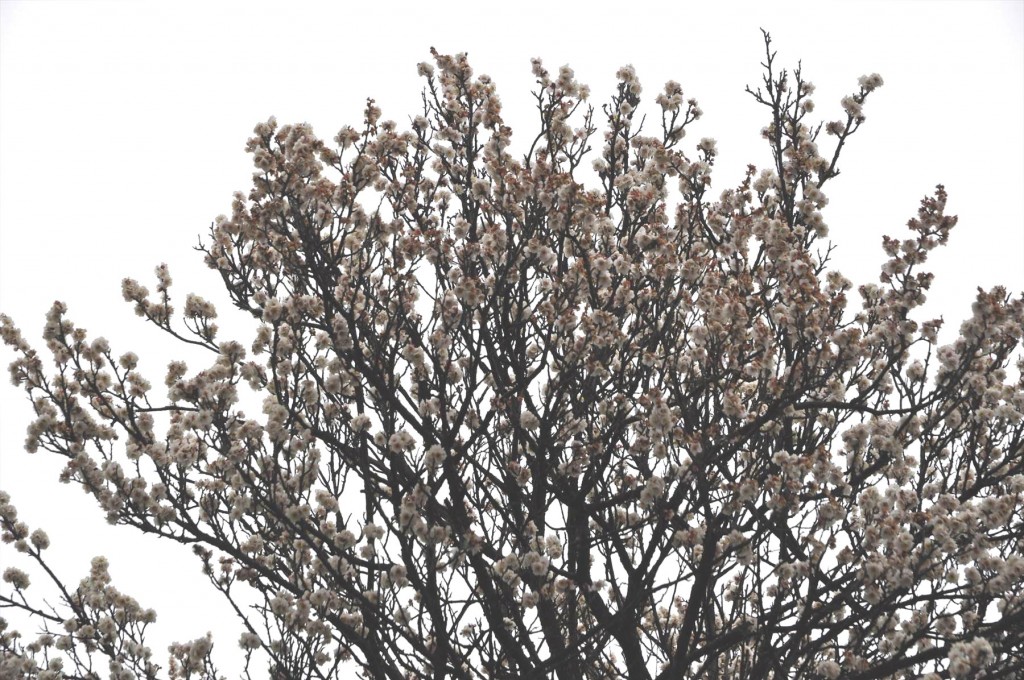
x: 516, y: 427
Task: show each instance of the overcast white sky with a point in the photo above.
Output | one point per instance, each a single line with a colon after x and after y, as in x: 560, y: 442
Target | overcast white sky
x: 122, y: 126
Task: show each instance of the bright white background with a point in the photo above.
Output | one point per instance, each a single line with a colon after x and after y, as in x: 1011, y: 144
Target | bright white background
x: 122, y: 126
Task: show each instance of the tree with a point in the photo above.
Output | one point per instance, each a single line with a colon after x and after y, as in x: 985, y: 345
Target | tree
x: 518, y: 428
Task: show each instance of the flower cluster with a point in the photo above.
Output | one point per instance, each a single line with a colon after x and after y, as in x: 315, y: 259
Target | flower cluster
x: 94, y: 618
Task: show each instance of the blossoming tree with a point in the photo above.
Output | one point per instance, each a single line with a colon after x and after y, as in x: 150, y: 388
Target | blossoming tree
x: 516, y: 427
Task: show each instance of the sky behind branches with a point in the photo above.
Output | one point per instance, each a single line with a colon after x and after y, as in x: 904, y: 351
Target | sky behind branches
x: 122, y: 127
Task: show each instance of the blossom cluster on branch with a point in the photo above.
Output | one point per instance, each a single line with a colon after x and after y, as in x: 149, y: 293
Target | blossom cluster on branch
x: 516, y: 427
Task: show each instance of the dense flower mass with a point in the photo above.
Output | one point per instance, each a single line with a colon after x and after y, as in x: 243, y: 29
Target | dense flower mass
x: 518, y: 427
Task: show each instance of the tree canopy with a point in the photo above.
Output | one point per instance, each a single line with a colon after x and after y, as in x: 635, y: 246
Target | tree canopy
x: 518, y: 427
